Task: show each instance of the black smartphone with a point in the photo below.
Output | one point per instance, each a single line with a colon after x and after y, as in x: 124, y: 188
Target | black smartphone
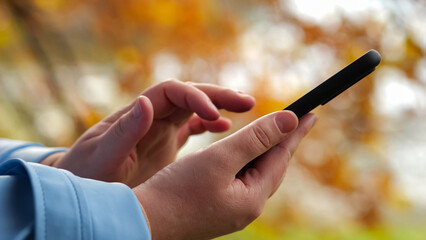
x: 336, y: 84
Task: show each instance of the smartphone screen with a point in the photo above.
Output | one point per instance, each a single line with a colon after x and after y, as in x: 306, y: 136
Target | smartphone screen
x: 336, y: 84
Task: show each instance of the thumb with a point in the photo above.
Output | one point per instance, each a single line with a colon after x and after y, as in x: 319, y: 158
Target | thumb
x: 125, y: 133
x: 238, y: 149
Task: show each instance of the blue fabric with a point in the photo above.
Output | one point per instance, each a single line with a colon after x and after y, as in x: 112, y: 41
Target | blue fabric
x: 29, y: 152
x: 43, y: 202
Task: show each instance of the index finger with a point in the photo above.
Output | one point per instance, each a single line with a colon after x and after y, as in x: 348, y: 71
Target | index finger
x: 232, y: 153
x: 167, y: 96
x: 226, y: 98
x: 273, y: 164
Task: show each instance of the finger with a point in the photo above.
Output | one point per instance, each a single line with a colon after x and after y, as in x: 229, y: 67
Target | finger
x: 226, y: 98
x: 113, y: 117
x: 196, y: 125
x: 172, y: 94
x: 273, y: 164
x: 220, y: 125
x: 124, y: 134
x: 235, y: 151
x: 291, y: 143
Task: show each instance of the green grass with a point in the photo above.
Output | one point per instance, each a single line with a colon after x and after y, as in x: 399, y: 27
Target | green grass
x: 260, y: 231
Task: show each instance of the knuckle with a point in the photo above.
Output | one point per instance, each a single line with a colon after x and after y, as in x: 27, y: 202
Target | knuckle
x: 254, y: 213
x: 240, y: 225
x: 170, y: 82
x: 288, y: 153
x: 247, y: 217
x: 286, y: 150
x: 190, y: 83
x: 241, y: 211
x: 227, y: 91
x: 260, y: 138
x: 119, y: 130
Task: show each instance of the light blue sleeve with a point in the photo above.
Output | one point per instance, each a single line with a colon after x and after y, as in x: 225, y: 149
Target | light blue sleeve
x: 27, y: 151
x: 43, y: 202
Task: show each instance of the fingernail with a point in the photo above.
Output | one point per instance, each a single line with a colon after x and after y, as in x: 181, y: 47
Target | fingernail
x: 137, y: 112
x: 213, y: 107
x: 313, y: 120
x: 243, y: 93
x: 283, y: 123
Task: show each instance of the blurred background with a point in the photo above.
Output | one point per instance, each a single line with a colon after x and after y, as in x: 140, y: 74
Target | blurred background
x: 360, y: 174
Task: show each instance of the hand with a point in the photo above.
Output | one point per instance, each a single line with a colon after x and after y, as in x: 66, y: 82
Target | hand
x: 222, y: 188
x: 133, y: 144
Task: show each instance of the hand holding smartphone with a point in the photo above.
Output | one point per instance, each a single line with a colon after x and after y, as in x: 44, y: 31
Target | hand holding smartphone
x: 336, y: 84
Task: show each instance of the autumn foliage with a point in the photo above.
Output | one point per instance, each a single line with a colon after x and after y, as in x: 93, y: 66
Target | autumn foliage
x: 70, y: 63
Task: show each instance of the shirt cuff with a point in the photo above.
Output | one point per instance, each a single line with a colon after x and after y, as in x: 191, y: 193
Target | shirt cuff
x: 70, y: 207
x: 29, y: 152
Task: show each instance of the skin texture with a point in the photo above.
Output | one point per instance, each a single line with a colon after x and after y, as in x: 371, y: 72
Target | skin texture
x: 224, y: 187
x: 215, y: 191
x: 137, y: 141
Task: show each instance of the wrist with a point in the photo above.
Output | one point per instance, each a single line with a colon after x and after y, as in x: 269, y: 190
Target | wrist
x: 143, y: 210
x: 146, y: 218
x: 157, y: 215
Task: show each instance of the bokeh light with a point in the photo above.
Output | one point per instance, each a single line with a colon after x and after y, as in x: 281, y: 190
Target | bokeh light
x: 64, y: 65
